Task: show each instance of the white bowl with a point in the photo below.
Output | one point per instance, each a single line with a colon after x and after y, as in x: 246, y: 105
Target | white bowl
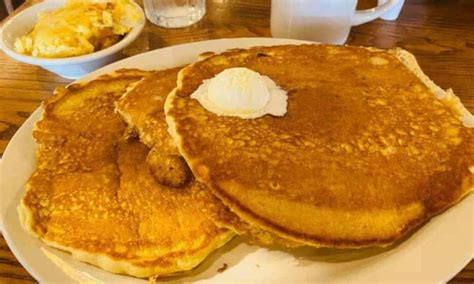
x: 70, y: 67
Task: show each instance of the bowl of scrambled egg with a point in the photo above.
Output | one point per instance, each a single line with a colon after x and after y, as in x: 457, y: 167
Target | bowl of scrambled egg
x: 72, y: 37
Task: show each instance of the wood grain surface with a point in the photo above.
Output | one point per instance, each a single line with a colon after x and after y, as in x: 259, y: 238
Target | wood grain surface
x: 440, y: 33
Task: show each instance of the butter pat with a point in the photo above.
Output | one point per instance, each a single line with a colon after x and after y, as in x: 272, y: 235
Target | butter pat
x: 243, y: 93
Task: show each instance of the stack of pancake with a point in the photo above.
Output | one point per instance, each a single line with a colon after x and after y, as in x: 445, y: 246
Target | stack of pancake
x: 136, y: 177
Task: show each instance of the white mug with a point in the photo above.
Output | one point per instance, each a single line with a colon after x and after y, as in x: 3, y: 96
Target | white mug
x: 327, y: 21
x: 393, y: 13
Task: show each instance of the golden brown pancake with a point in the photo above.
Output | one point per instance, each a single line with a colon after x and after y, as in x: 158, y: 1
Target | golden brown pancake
x: 365, y: 153
x: 142, y: 108
x: 93, y: 193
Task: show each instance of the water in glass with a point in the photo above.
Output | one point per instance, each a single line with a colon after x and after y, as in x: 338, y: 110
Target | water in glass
x: 174, y: 13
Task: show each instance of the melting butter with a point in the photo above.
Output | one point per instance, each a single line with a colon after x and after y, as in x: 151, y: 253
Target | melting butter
x: 243, y: 93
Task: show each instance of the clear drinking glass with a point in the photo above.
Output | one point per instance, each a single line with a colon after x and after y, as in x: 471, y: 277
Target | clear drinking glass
x: 174, y: 13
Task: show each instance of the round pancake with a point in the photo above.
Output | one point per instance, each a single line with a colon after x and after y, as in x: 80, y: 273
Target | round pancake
x: 93, y: 193
x: 365, y: 153
x: 142, y: 107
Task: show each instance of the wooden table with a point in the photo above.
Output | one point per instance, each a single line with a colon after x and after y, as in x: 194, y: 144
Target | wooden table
x: 440, y: 33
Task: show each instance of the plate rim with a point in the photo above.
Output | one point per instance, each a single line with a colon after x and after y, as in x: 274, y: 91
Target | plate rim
x: 36, y: 115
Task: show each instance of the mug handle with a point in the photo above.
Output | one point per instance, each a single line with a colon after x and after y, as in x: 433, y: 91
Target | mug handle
x: 364, y: 16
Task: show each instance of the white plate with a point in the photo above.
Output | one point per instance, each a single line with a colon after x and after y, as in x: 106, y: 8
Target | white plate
x: 433, y: 254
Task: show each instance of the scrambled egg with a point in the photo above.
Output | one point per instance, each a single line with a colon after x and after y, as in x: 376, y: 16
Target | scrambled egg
x: 80, y: 27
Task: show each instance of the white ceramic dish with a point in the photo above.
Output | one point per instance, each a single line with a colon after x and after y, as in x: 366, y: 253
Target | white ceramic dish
x: 433, y: 254
x: 71, y: 67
